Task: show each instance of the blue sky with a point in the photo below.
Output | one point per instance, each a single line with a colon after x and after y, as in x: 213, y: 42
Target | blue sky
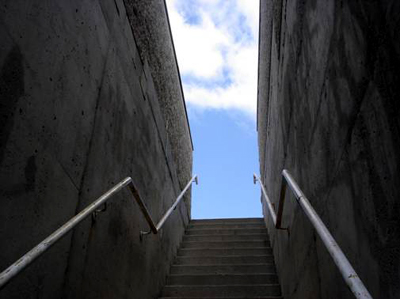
x: 225, y: 158
x: 216, y: 44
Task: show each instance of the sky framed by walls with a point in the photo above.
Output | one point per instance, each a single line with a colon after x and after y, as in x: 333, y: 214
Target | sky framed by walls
x: 216, y: 44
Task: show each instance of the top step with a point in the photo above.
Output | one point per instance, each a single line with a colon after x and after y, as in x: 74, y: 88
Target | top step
x: 228, y: 221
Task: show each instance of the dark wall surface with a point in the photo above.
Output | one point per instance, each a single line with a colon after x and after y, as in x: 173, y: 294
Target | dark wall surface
x: 79, y: 112
x: 153, y: 37
x: 328, y: 111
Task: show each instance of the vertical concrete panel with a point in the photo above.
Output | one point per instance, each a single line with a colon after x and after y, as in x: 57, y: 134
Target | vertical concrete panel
x: 332, y: 92
x: 79, y: 113
x: 151, y: 16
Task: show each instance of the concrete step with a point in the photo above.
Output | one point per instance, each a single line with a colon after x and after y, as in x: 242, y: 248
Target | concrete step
x: 258, y: 297
x: 225, y: 225
x: 224, y: 260
x: 227, y: 220
x: 220, y: 237
x: 224, y: 251
x: 213, y: 291
x: 222, y: 279
x: 226, y: 231
x: 225, y: 244
x: 266, y: 268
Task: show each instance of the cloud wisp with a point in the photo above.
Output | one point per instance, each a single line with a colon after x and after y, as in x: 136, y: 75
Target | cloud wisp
x: 216, y: 45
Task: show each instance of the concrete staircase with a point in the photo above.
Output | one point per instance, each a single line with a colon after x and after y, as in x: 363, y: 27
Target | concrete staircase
x: 224, y: 258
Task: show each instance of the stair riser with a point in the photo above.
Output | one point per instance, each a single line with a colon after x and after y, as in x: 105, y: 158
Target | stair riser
x: 236, y: 232
x: 218, y: 291
x: 230, y: 238
x: 226, y: 244
x: 224, y: 269
x: 224, y: 251
x: 222, y: 279
x: 229, y: 220
x: 225, y: 260
x: 226, y: 225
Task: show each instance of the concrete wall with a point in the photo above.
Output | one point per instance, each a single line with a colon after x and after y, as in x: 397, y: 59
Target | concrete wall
x: 153, y: 37
x: 79, y: 112
x: 328, y: 111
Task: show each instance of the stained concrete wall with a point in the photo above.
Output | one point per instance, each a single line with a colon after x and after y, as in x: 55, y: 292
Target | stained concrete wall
x: 328, y: 111
x: 159, y: 51
x: 153, y: 37
x: 80, y: 111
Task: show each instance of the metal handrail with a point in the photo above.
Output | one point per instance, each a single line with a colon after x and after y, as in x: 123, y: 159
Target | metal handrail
x: 43, y: 246
x: 348, y: 273
x: 156, y: 228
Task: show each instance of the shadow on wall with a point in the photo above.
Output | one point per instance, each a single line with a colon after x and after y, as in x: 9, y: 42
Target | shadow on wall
x: 328, y: 111
x: 80, y: 110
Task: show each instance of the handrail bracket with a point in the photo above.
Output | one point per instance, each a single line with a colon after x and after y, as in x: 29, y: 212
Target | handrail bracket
x: 98, y: 211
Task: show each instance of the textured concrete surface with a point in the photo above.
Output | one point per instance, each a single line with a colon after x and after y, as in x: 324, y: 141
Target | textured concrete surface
x: 328, y: 111
x: 153, y: 37
x: 79, y: 112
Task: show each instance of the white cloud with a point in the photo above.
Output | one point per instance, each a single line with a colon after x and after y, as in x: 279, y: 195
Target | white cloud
x: 221, y: 46
x: 251, y: 12
x: 198, y: 47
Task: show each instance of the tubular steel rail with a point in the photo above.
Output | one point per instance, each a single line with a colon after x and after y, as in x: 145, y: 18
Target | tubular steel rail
x: 348, y: 273
x: 43, y: 246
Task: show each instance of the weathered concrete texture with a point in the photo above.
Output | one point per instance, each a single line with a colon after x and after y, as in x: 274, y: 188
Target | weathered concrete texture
x: 153, y: 37
x: 264, y: 55
x: 79, y: 112
x: 329, y: 112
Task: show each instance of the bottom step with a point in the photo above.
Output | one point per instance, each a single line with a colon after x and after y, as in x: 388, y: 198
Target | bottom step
x: 212, y: 291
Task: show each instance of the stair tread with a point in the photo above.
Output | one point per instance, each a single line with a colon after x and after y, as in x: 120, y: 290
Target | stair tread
x: 231, y: 251
x: 195, y: 227
x: 219, y: 248
x: 203, y: 266
x: 225, y: 238
x: 229, y: 235
x: 224, y: 248
x: 223, y: 290
x: 225, y: 274
x: 230, y: 256
x: 224, y: 242
x: 222, y: 279
x: 267, y: 268
x: 202, y: 232
x: 222, y: 297
x: 228, y: 224
x: 223, y: 260
x: 224, y: 286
